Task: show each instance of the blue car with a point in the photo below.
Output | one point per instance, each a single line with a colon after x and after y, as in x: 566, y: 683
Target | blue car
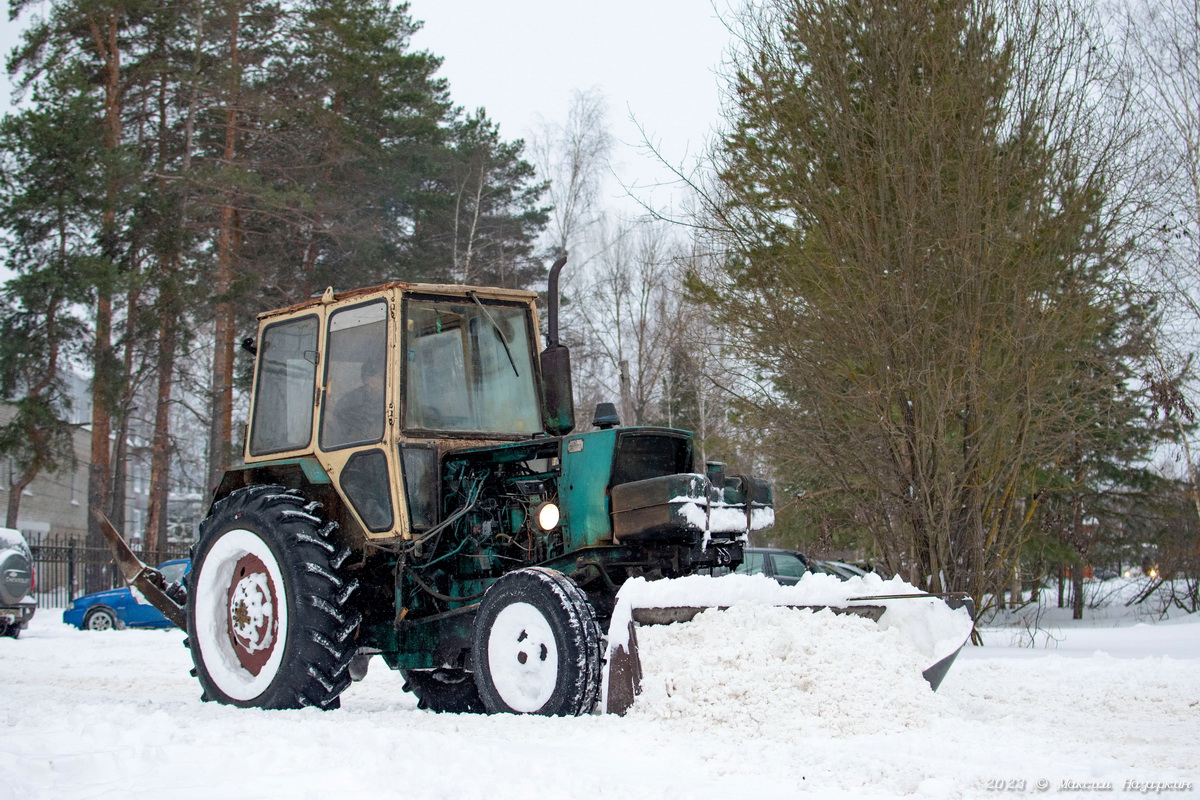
x: 122, y: 608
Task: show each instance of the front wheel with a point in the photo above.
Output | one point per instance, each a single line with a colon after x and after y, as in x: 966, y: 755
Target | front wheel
x: 268, y: 619
x: 100, y: 619
x: 537, y: 646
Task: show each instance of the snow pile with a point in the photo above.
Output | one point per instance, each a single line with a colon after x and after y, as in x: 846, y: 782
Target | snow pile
x: 764, y: 670
x: 763, y: 664
x: 926, y: 623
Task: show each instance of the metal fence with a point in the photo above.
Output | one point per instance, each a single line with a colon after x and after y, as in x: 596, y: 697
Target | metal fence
x: 67, y: 568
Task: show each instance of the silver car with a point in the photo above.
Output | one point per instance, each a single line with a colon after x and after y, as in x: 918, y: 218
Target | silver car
x: 16, y: 583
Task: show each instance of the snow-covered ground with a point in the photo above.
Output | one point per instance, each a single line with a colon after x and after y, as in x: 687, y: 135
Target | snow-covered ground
x: 749, y: 703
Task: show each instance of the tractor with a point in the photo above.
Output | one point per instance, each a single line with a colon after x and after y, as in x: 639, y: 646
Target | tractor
x: 413, y: 488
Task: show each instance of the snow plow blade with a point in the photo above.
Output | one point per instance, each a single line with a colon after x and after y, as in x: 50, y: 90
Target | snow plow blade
x: 623, y: 670
x: 139, y: 575
x: 936, y: 672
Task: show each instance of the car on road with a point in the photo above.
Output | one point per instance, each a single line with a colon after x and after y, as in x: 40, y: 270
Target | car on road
x: 124, y: 608
x: 17, y: 583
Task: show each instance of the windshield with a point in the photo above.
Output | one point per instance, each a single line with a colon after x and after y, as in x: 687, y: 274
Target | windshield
x: 173, y: 572
x: 470, y: 367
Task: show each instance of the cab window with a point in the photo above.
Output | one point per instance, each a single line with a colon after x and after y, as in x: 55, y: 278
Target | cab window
x: 469, y: 367
x: 287, y: 376
x: 355, y: 375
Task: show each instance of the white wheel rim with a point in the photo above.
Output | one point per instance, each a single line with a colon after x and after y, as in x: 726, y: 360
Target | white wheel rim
x: 99, y: 621
x: 241, y: 619
x: 522, y: 658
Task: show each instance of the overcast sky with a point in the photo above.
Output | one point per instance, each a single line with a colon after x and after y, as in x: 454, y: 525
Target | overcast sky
x: 655, y: 61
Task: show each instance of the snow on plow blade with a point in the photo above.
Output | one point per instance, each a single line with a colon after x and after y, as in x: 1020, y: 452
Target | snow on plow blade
x: 937, y: 626
x: 139, y: 575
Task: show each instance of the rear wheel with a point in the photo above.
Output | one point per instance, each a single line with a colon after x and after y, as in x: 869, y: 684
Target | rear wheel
x: 537, y: 646
x: 449, y: 691
x: 100, y: 619
x: 268, y: 619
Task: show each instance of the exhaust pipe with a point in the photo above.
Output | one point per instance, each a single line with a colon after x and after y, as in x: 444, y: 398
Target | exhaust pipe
x: 552, y: 301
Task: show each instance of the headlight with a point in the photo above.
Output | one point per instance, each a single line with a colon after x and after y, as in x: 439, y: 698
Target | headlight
x: 547, y: 516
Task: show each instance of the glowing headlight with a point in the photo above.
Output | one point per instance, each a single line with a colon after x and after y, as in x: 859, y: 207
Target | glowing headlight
x: 547, y: 516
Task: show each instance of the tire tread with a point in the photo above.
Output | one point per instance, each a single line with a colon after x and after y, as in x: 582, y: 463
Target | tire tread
x: 315, y: 668
x: 580, y: 630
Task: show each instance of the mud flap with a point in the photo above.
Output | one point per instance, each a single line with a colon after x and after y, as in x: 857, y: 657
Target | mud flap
x: 624, y: 676
x: 139, y: 575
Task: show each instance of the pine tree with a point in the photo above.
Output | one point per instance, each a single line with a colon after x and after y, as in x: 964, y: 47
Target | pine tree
x: 241, y: 144
x: 361, y: 122
x: 479, y: 221
x: 46, y: 205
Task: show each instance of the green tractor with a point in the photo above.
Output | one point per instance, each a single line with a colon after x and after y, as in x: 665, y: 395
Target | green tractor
x: 412, y: 488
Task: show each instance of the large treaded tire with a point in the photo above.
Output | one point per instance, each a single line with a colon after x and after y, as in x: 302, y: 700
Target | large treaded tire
x: 269, y: 623
x: 446, y: 691
x: 536, y: 646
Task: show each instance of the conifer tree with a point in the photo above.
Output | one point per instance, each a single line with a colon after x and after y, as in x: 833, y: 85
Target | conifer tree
x: 922, y: 260
x: 249, y: 155
x: 48, y: 207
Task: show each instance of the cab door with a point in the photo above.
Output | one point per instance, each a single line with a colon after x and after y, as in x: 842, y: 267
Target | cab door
x: 358, y: 410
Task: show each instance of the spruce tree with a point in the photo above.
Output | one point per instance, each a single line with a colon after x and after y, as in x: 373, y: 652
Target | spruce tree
x: 923, y: 255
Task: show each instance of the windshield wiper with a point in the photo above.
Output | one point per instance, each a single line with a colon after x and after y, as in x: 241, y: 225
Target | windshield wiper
x: 499, y: 333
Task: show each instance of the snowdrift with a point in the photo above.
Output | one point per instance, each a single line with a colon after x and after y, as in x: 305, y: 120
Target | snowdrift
x: 761, y: 634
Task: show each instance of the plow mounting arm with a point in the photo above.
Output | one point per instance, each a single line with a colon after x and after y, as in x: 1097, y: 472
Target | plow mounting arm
x: 139, y: 575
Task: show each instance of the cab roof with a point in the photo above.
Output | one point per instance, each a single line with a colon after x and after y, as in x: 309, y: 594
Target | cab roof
x: 404, y: 287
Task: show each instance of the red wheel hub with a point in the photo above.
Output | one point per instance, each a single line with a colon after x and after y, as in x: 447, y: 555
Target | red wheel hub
x: 253, y: 613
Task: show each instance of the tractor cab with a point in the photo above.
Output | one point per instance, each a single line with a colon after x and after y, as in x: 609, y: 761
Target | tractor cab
x: 376, y: 385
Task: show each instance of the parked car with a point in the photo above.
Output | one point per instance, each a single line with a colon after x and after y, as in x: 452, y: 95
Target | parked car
x: 839, y: 569
x: 17, y: 583
x: 788, y: 567
x: 124, y: 608
x: 785, y: 566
